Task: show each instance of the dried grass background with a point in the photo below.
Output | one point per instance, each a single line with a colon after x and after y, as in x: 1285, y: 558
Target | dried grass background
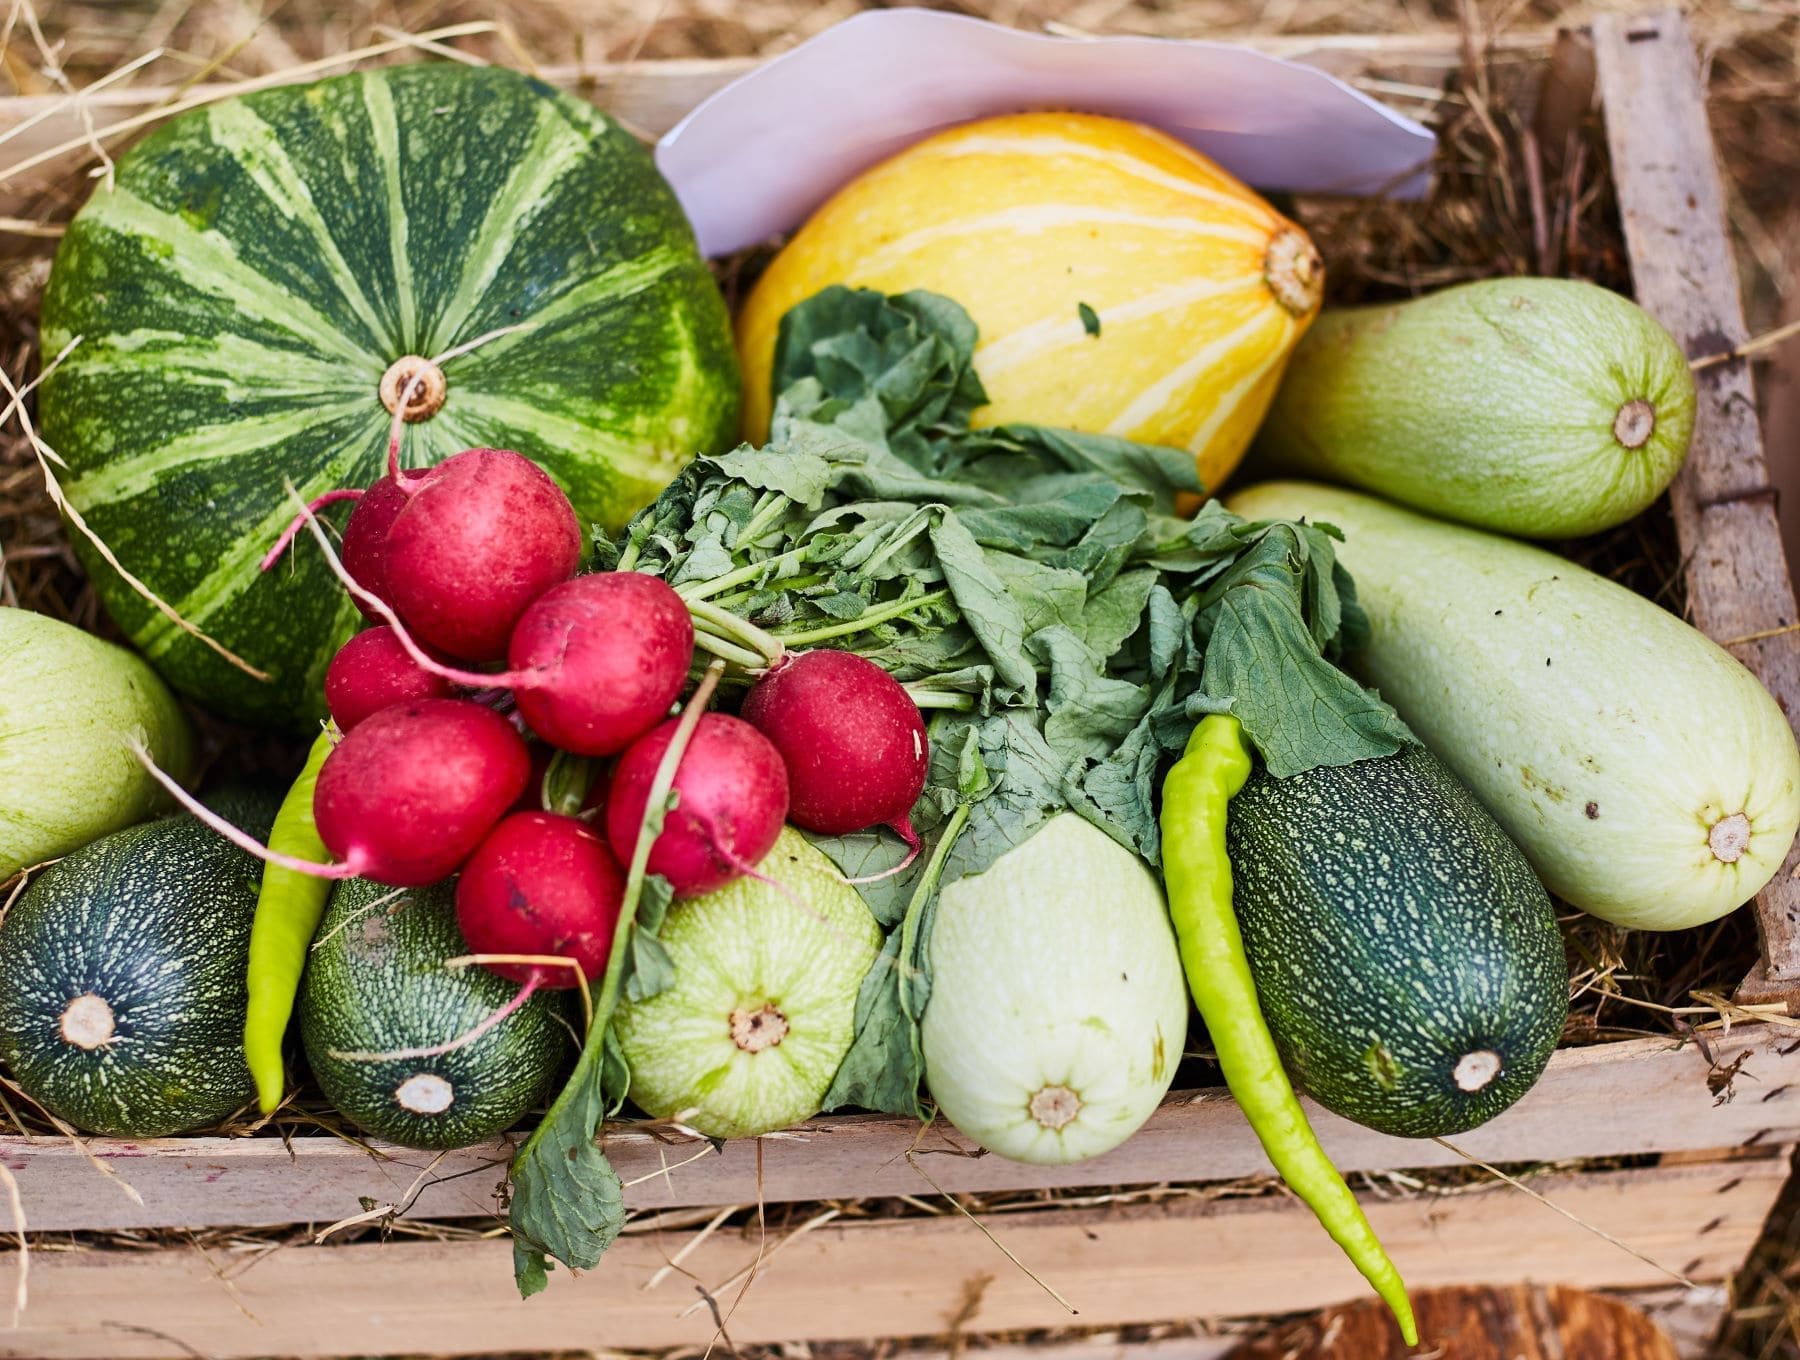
x: 1475, y: 226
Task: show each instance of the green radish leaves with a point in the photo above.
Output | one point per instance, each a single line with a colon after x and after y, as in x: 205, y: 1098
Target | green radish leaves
x: 566, y: 1199
x: 649, y: 969
x: 1022, y: 571
x: 885, y: 1064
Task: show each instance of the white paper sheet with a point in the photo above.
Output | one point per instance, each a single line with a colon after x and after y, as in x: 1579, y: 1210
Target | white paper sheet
x: 758, y: 156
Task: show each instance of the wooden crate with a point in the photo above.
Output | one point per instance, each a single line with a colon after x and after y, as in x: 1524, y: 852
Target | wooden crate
x: 1181, y: 1241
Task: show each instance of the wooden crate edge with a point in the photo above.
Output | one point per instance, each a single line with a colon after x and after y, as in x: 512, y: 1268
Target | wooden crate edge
x: 1640, y: 1096
x: 1684, y: 272
x: 820, y: 1279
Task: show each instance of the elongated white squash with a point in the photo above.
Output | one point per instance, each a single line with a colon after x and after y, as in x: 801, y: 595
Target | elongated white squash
x: 1648, y: 776
x: 1058, y: 1008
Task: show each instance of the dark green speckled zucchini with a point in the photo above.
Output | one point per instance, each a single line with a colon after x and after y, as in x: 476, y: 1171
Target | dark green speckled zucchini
x: 122, y: 988
x: 376, y: 983
x: 1407, y: 959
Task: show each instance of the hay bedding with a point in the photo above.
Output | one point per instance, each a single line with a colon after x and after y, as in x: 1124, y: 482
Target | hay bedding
x: 1503, y: 204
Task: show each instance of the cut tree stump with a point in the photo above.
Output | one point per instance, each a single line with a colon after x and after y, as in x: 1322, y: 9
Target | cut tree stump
x: 1524, y: 1322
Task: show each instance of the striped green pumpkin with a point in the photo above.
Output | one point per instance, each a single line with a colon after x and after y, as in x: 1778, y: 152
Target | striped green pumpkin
x: 256, y: 267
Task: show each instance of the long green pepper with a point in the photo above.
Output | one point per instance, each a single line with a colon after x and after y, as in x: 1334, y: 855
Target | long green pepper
x: 1197, y: 873
x: 288, y: 910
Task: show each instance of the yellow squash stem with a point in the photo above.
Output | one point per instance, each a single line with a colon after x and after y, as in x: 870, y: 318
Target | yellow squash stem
x: 288, y: 910
x: 1197, y: 873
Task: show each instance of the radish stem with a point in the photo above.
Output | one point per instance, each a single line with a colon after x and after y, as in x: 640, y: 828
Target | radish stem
x: 656, y: 808
x: 741, y: 657
x: 869, y: 619
x: 953, y: 700
x: 763, y: 520
x: 723, y: 623
x: 755, y: 571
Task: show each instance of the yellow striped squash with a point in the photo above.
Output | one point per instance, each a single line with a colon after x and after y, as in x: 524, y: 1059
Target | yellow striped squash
x: 1044, y: 225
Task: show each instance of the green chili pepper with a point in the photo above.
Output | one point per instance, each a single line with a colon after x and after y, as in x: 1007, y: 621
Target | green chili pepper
x: 1197, y: 871
x: 287, y: 914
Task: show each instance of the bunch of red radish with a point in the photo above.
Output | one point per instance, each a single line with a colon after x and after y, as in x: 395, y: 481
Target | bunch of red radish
x: 473, y: 563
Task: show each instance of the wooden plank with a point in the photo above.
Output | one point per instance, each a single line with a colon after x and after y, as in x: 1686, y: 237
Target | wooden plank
x: 648, y: 96
x: 892, y: 1278
x: 1684, y: 273
x: 1615, y: 1099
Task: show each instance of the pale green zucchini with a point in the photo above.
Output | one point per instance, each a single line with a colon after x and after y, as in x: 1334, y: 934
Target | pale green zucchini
x: 1650, y: 779
x: 1541, y: 407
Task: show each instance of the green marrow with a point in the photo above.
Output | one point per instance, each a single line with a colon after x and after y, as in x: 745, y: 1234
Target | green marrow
x: 1650, y: 779
x: 69, y: 704
x: 1540, y: 407
x: 376, y: 984
x: 1407, y: 959
x: 246, y: 293
x: 122, y: 989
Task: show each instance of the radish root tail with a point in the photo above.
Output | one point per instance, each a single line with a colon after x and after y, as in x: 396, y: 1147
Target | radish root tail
x: 298, y: 522
x: 236, y: 835
x: 904, y: 830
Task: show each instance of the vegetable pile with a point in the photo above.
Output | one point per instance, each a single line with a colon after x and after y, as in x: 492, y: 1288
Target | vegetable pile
x: 919, y: 757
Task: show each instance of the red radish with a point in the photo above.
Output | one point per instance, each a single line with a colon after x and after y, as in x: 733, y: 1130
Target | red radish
x: 373, y: 671
x: 403, y: 800
x: 366, y: 531
x: 541, y: 883
x: 851, y: 737
x: 407, y: 795
x: 597, y: 662
x: 481, y: 538
x: 732, y: 792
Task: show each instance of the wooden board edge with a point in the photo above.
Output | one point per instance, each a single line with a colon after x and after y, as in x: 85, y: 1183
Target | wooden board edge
x: 1639, y: 1096
x: 927, y: 1278
x: 1672, y: 202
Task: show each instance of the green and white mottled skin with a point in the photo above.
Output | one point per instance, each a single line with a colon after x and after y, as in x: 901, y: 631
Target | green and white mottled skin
x: 122, y: 991
x: 1407, y: 959
x: 1058, y: 1007
x: 69, y: 704
x: 243, y: 282
x: 1650, y: 779
x: 763, y: 1007
x: 376, y: 983
x: 1546, y: 408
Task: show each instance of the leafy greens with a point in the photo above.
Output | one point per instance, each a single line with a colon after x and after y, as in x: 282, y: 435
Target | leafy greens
x: 1039, y: 595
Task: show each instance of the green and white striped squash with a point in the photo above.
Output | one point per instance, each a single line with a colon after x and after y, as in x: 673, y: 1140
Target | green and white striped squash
x: 238, y: 291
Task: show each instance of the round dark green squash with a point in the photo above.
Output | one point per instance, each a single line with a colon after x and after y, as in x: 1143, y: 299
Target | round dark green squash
x: 251, y: 274
x: 376, y: 983
x: 1406, y: 957
x: 122, y: 990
